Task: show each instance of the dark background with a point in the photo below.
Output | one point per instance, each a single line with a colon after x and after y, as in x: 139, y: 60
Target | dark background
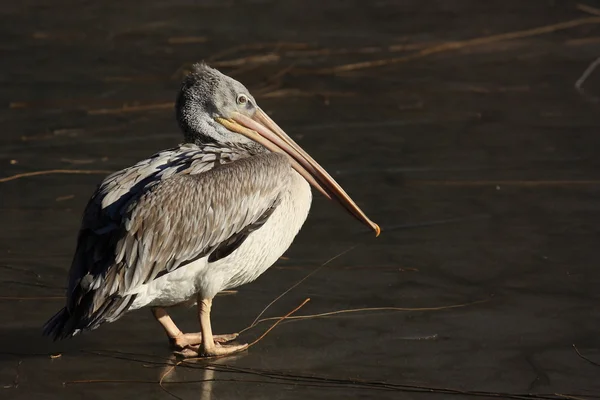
x: 478, y: 159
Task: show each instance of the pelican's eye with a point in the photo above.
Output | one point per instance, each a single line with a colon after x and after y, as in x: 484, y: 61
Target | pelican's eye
x: 242, y: 99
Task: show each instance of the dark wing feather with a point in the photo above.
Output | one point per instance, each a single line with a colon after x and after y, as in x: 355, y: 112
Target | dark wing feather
x: 149, y: 220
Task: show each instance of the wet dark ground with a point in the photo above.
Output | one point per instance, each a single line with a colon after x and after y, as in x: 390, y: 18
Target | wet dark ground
x: 479, y: 162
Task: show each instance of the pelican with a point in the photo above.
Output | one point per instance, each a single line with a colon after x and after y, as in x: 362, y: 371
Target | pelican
x: 211, y: 214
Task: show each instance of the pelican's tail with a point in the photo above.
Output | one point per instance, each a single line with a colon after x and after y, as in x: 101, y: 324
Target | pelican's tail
x: 65, y: 324
x: 57, y: 327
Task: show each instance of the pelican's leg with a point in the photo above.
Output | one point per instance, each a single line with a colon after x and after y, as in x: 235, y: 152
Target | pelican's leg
x: 209, y: 347
x: 180, y: 340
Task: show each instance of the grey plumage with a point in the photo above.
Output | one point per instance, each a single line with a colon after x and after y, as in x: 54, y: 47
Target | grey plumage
x: 148, y: 220
x: 205, y: 92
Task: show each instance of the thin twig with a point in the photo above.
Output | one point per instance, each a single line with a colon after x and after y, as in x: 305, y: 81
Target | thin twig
x: 584, y: 357
x: 370, y: 309
x: 54, y: 171
x: 286, y: 316
x: 295, y: 285
x: 250, y: 345
x: 160, y: 382
x: 586, y: 74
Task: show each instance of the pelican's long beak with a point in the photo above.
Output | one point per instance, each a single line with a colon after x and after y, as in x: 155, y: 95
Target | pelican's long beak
x: 262, y: 129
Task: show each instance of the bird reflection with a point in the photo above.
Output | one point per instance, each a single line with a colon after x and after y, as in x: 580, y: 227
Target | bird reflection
x: 203, y: 373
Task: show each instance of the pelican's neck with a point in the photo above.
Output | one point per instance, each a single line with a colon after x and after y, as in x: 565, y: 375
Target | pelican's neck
x: 251, y: 148
x: 241, y: 149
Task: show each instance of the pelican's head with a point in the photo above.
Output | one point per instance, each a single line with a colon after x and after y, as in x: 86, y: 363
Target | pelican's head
x: 207, y: 95
x: 212, y: 107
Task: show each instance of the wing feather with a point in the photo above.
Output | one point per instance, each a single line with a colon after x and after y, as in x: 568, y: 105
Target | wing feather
x: 164, y: 212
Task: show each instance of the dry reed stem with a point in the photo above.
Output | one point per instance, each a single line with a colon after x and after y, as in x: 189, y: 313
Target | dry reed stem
x: 64, y: 198
x: 362, y: 50
x: 242, y: 70
x: 278, y: 93
x: 253, y: 59
x: 457, y: 45
x: 582, y: 41
x: 257, y: 46
x: 227, y: 292
x: 33, y: 298
x: 54, y: 171
x: 501, y: 183
x: 127, y: 109
x: 588, y: 9
x: 187, y: 39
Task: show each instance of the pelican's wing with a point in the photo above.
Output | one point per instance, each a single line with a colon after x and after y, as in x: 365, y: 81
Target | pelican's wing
x: 141, y: 225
